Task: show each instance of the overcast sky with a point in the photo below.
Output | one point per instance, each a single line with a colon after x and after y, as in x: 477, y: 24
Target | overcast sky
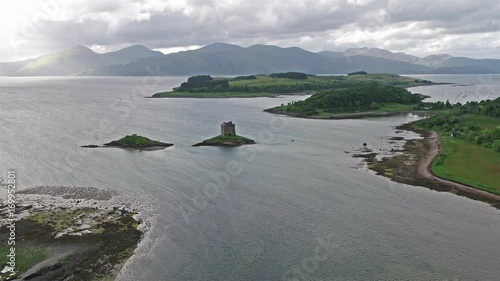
x: 462, y: 28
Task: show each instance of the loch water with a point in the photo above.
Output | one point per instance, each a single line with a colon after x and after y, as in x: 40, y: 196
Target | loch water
x: 279, y: 210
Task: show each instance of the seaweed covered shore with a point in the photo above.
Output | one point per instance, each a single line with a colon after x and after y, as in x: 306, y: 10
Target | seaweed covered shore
x: 69, y: 233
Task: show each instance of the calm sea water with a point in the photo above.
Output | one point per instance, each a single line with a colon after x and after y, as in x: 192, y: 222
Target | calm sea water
x: 279, y: 210
x: 465, y: 87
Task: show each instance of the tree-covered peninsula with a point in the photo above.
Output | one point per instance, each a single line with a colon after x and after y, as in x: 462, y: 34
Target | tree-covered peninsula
x: 373, y: 98
x: 205, y: 86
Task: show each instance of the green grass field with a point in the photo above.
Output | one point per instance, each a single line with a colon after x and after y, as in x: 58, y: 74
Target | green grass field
x: 468, y: 163
x: 331, y: 80
x: 464, y: 161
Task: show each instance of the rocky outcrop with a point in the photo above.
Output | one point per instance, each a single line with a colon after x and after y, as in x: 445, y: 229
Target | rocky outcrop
x: 224, y: 143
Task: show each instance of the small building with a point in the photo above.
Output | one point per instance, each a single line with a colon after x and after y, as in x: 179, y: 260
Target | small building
x: 228, y: 129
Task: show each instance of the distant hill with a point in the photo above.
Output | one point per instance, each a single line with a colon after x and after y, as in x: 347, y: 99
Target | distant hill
x: 434, y: 60
x: 483, y: 65
x: 380, y: 53
x: 332, y: 55
x: 129, y: 54
x: 227, y: 59
x: 73, y: 61
x: 459, y: 65
x: 380, y: 65
x: 8, y: 68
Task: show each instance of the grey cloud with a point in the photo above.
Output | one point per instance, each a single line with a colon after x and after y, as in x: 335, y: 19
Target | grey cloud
x: 306, y: 23
x: 103, y: 6
x: 69, y: 33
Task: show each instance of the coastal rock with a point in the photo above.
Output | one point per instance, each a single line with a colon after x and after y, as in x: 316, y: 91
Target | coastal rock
x: 90, y: 146
x: 365, y: 150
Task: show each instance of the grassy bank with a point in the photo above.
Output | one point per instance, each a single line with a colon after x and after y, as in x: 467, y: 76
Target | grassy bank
x: 469, y: 144
x: 467, y: 163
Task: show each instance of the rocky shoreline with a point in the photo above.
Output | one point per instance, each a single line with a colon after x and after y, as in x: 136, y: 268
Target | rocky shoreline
x: 411, y: 165
x: 80, y: 233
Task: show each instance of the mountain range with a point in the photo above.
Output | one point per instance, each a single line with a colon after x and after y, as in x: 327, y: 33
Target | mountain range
x: 74, y: 61
x: 227, y: 59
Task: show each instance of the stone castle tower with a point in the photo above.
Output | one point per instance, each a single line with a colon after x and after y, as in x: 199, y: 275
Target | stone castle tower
x: 228, y: 129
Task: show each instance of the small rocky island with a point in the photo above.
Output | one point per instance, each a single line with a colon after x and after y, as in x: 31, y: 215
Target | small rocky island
x: 228, y: 137
x: 134, y: 142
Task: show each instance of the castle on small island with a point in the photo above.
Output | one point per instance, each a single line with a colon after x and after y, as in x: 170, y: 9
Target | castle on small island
x: 228, y: 129
x: 227, y: 137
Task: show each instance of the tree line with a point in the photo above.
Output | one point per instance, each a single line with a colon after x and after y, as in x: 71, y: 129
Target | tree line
x: 353, y: 99
x: 455, y: 122
x: 201, y: 83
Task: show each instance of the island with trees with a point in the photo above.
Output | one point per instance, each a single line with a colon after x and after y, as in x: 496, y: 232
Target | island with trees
x: 355, y: 102
x: 136, y: 142
x: 206, y: 86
